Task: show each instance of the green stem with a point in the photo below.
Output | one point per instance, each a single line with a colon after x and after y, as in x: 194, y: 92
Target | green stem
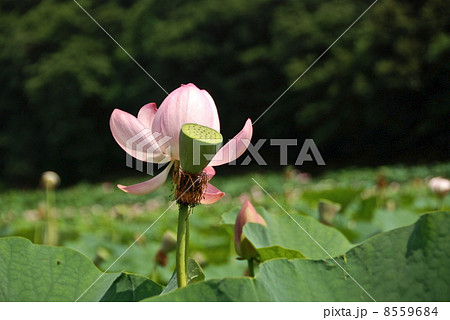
x: 38, y: 232
x: 155, y: 273
x: 51, y: 231
x: 251, y: 271
x: 182, y: 246
x: 186, y: 255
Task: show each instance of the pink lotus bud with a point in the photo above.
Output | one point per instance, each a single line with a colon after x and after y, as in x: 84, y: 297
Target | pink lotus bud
x: 439, y: 185
x: 247, y: 214
x: 161, y: 258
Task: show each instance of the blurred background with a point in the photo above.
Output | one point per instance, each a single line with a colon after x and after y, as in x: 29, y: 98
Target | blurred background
x: 379, y: 97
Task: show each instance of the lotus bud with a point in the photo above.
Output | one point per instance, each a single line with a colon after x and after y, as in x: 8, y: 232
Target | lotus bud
x: 169, y: 241
x: 161, y: 258
x: 327, y: 211
x: 439, y: 185
x: 243, y: 247
x: 198, y: 145
x: 168, y: 244
x: 50, y: 179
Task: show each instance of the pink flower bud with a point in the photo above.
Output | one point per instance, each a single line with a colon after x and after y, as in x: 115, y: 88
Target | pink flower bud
x: 439, y: 185
x: 247, y: 214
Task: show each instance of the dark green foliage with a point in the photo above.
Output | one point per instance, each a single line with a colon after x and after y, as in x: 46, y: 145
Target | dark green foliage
x: 377, y: 96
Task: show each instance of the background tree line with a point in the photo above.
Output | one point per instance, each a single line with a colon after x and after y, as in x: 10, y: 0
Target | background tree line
x: 380, y: 95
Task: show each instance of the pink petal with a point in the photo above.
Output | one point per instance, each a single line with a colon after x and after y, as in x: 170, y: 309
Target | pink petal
x: 146, y: 114
x: 210, y: 172
x: 211, y: 195
x: 135, y: 138
x: 149, y: 185
x: 215, y: 124
x: 187, y: 104
x: 235, y: 147
x: 246, y: 214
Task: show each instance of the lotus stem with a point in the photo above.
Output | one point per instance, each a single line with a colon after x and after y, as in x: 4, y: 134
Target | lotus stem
x: 251, y: 271
x: 182, y: 245
x: 51, y: 236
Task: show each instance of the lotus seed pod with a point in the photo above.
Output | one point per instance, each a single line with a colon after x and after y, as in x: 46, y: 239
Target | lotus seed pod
x: 50, y: 179
x: 198, y: 145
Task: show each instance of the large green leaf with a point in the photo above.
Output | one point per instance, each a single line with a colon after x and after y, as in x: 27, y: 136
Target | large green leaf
x: 387, y: 220
x: 286, y: 238
x: 31, y: 272
x: 406, y: 264
x: 233, y: 268
x: 274, y: 252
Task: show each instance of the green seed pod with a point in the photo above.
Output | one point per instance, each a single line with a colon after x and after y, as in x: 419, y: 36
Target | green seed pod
x: 198, y: 145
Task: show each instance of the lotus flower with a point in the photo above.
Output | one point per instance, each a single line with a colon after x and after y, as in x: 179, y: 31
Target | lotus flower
x: 439, y: 185
x: 158, y: 130
x: 247, y: 214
